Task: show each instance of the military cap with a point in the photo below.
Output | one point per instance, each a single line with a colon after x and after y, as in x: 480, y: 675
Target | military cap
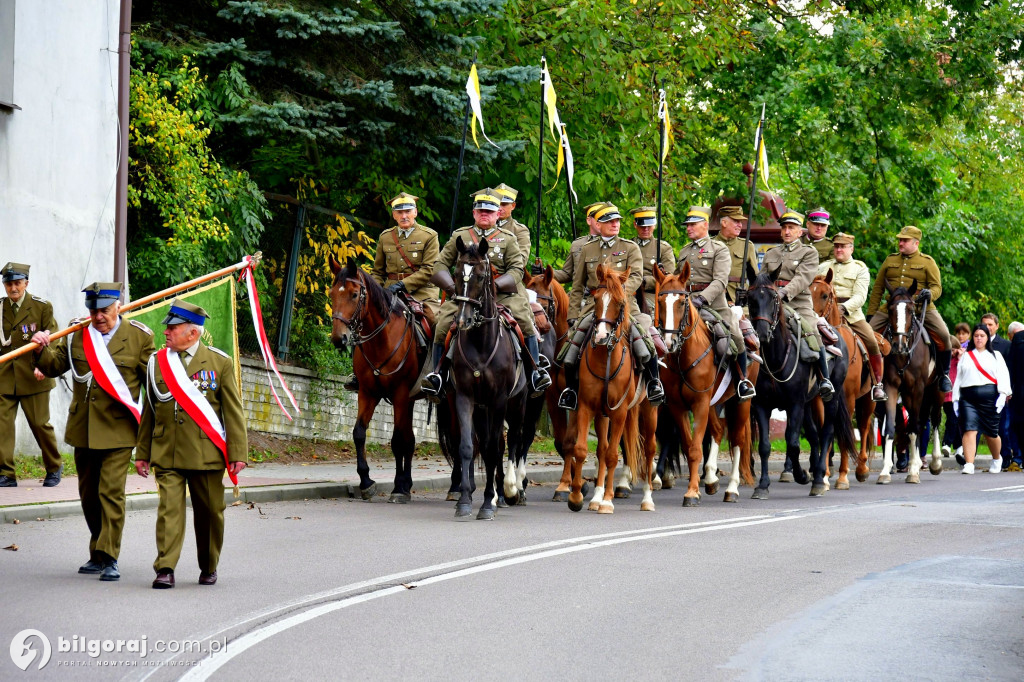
x: 910, y: 232
x: 843, y: 238
x: 819, y: 215
x: 13, y: 271
x: 644, y: 216
x: 606, y: 213
x: 486, y: 199
x: 506, y: 193
x: 734, y: 212
x: 592, y: 208
x: 182, y: 312
x: 99, y: 295
x: 403, y: 202
x: 792, y: 218
x: 697, y: 214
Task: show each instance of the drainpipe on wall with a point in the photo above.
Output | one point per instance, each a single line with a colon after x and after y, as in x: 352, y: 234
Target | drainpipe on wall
x: 121, y: 196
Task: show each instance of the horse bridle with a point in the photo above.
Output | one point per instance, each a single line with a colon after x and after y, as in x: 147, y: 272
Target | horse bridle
x: 550, y: 309
x: 478, y: 304
x: 915, y: 332
x: 355, y: 324
x: 611, y: 341
x: 773, y: 324
x: 680, y: 338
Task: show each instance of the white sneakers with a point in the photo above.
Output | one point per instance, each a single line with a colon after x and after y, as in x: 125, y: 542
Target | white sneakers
x: 997, y: 465
x: 968, y: 468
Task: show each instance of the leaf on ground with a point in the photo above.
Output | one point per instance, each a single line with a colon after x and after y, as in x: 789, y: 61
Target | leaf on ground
x: 408, y: 586
x: 16, y: 521
x: 236, y: 503
x: 294, y: 518
x: 13, y: 548
x: 252, y: 505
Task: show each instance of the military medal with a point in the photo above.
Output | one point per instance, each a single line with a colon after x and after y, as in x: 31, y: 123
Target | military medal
x: 24, y: 332
x: 704, y: 262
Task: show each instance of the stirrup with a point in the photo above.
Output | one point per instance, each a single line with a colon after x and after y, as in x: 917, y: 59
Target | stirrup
x: 539, y: 382
x: 567, y: 399
x: 351, y: 383
x: 826, y: 390
x: 432, y: 384
x: 543, y: 362
x: 745, y: 390
x: 945, y: 385
x: 878, y: 393
x: 655, y: 392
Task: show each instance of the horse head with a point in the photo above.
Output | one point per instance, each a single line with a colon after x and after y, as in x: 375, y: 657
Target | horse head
x: 673, y: 315
x: 764, y: 300
x: 348, y: 298
x: 551, y: 296
x: 474, y: 275
x: 823, y: 297
x: 902, y: 309
x: 609, y: 302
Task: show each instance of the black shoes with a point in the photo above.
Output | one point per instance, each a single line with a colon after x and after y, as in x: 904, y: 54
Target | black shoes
x: 91, y: 567
x: 164, y: 579
x: 8, y: 482
x: 53, y: 478
x: 208, y: 578
x: 110, y: 572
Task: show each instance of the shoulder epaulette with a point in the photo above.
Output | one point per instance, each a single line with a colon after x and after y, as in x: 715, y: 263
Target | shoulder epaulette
x: 923, y: 254
x: 860, y: 262
x: 77, y: 320
x: 139, y: 325
x: 218, y: 351
x: 431, y: 230
x: 41, y: 300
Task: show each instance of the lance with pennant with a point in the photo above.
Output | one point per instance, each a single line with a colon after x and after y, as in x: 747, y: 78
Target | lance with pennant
x: 540, y: 154
x: 462, y: 156
x: 741, y: 291
x: 568, y: 189
x: 662, y: 116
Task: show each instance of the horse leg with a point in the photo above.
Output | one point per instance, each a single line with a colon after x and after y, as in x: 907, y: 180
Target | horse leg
x: 624, y: 487
x: 711, y: 463
x: 403, y: 444
x: 367, y: 404
x: 913, y: 434
x: 865, y: 415
x: 566, y: 444
x: 935, y: 463
x: 464, y: 410
x: 601, y: 426
x: 794, y: 420
x: 583, y: 417
x: 649, y: 430
x: 616, y: 425
x: 764, y: 450
x: 825, y: 440
x: 492, y: 449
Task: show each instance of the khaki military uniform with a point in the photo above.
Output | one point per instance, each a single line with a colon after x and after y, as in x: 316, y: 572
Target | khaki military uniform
x: 503, y: 252
x: 181, y: 454
x: 710, y: 262
x: 100, y: 428
x: 798, y: 265
x: 649, y: 253
x: 735, y: 247
x: 18, y: 384
x: 617, y: 254
x: 898, y: 270
x: 421, y: 249
x: 850, y: 282
x: 522, y: 233
x: 824, y: 246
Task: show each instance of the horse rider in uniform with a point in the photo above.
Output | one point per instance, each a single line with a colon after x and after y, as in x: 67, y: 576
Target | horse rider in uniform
x: 619, y: 255
x: 102, y: 426
x: 21, y: 316
x: 645, y: 219
x: 568, y: 269
x: 851, y: 281
x: 732, y: 222
x: 817, y: 227
x: 900, y: 270
x: 797, y: 266
x: 510, y: 224
x: 505, y: 256
x: 710, y: 262
x: 404, y: 261
x: 181, y: 450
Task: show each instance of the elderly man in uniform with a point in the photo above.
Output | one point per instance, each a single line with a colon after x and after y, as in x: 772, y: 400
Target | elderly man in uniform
x: 568, y: 269
x: 733, y: 223
x: 108, y: 367
x: 795, y: 265
x: 21, y: 316
x: 900, y: 270
x: 710, y: 262
x: 645, y: 219
x: 817, y: 228
x: 850, y: 281
x: 510, y: 224
x: 509, y: 262
x: 619, y: 255
x: 192, y: 427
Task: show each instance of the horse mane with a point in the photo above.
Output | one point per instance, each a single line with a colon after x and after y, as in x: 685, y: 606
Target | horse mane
x: 764, y: 279
x: 377, y: 296
x: 900, y: 292
x: 612, y: 282
x: 561, y: 302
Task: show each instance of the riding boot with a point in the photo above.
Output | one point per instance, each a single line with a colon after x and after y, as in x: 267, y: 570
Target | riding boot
x: 877, y: 373
x: 655, y: 390
x: 825, y: 388
x: 351, y: 382
x: 744, y: 389
x: 943, y: 358
x: 433, y: 384
x: 539, y: 379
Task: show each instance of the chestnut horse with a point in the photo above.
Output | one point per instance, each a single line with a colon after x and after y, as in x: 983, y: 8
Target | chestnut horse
x: 610, y: 392
x: 386, y: 361
x: 856, y: 388
x: 692, y: 381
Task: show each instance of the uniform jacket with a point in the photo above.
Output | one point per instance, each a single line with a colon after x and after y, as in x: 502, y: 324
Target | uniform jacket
x: 505, y: 256
x: 900, y: 271
x: 851, y: 281
x: 96, y: 419
x: 170, y: 439
x: 824, y: 246
x: 522, y: 233
x: 710, y: 262
x: 735, y: 247
x: 568, y: 269
x: 649, y: 253
x: 797, y: 263
x: 421, y: 248
x: 619, y: 254
x: 36, y: 314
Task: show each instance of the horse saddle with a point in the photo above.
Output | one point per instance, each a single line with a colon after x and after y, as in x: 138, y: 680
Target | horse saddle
x: 423, y: 322
x: 540, y: 318
x: 883, y: 344
x: 716, y: 325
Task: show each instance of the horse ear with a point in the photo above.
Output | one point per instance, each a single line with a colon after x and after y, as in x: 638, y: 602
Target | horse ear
x: 774, y: 274
x: 888, y: 288
x: 599, y: 272
x: 460, y: 245
x: 549, y: 276
x: 684, y: 272
x: 751, y: 274
x: 335, y: 265
x: 828, y: 276
x: 913, y: 288
x: 659, y: 276
x: 353, y: 268
x: 624, y: 275
x: 527, y: 278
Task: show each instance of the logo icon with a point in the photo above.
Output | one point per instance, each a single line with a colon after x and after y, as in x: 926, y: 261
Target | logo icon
x: 23, y: 653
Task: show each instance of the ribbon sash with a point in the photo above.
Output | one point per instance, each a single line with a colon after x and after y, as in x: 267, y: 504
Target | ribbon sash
x: 194, y: 403
x: 978, y: 365
x: 106, y: 374
x: 268, y: 355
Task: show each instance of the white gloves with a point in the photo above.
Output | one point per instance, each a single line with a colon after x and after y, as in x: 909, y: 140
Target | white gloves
x: 1000, y: 402
x: 956, y: 408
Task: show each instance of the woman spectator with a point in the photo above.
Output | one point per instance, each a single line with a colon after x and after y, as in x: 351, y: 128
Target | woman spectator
x: 979, y: 395
x: 951, y: 436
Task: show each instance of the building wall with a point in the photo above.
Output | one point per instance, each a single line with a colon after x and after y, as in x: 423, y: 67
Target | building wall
x: 58, y: 157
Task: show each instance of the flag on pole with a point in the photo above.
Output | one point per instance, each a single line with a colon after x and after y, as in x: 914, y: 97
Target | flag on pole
x: 666, y: 131
x: 473, y: 90
x: 564, y: 158
x: 761, y: 152
x: 568, y: 163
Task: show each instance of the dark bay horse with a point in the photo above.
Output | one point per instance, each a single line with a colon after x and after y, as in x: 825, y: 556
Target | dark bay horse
x: 488, y: 380
x: 386, y: 361
x: 911, y: 373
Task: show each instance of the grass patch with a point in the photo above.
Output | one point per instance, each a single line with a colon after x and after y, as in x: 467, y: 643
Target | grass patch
x: 27, y: 467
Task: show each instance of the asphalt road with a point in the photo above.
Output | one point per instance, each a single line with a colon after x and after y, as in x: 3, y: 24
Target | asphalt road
x: 910, y: 582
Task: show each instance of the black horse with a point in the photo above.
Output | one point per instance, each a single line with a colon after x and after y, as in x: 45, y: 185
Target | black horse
x: 785, y: 382
x: 489, y: 384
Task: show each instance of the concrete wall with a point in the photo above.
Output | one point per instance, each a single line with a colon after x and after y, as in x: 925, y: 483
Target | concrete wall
x: 58, y: 158
x: 329, y: 413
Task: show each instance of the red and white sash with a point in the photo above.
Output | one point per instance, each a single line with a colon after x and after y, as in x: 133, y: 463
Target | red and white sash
x: 105, y: 371
x: 194, y: 403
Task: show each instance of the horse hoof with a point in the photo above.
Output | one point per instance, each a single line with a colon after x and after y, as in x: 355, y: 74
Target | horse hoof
x: 711, y: 488
x: 862, y: 478
x: 668, y: 483
x: 760, y: 494
x: 786, y: 477
x: 935, y: 466
x: 730, y: 497
x: 575, y: 506
x: 656, y: 484
x: 504, y: 502
x: 606, y: 509
x: 400, y: 498
x: 913, y: 478
x: 485, y: 515
x: 622, y: 493
x: 453, y: 496
x: 646, y: 506
x: 463, y: 512
x: 369, y: 493
x: 521, y: 499
x: 691, y: 501
x: 884, y: 479
x: 586, y: 489
x: 843, y: 485
x: 803, y: 478
x: 818, y: 490
x: 560, y: 496
x: 594, y: 506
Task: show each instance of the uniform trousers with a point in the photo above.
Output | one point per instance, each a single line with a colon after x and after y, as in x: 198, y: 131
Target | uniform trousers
x: 37, y: 413
x: 206, y: 489
x: 101, y: 478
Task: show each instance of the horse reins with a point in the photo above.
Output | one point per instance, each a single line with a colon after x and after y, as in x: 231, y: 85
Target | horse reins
x: 355, y: 324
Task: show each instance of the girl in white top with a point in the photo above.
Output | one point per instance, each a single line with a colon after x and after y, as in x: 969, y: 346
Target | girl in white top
x: 979, y: 394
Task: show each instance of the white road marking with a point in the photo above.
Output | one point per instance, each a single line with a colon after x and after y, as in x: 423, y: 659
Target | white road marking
x: 1007, y: 489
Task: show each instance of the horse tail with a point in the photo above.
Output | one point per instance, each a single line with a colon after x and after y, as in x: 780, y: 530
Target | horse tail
x: 843, y: 426
x: 633, y: 442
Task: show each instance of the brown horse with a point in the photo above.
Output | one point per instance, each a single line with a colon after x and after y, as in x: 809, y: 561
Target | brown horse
x: 693, y: 379
x: 386, y: 361
x: 609, y: 392
x: 856, y: 388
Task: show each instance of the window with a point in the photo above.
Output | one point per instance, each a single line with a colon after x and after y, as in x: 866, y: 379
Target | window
x: 7, y: 55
